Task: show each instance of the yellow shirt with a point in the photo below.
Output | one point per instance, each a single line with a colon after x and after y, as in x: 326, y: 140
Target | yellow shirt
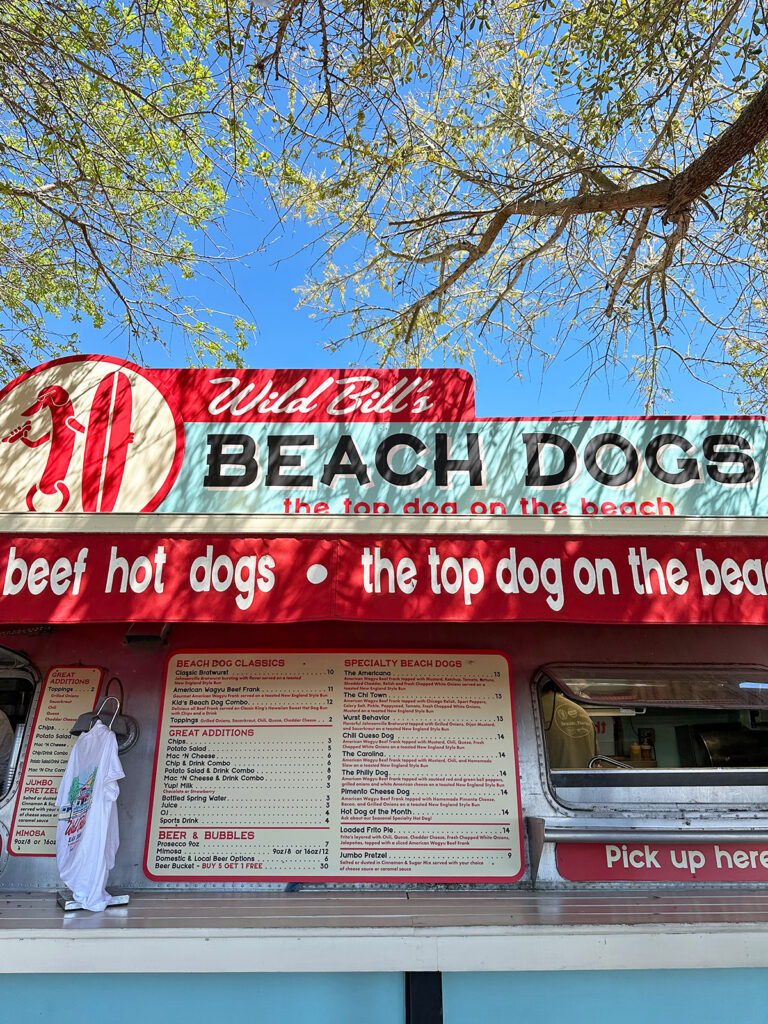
x: 570, y: 732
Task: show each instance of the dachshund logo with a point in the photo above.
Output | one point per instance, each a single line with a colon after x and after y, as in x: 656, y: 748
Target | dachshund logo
x: 107, y: 438
x: 88, y: 434
x: 64, y: 427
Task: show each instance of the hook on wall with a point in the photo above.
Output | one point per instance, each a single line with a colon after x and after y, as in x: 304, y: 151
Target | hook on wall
x: 125, y: 728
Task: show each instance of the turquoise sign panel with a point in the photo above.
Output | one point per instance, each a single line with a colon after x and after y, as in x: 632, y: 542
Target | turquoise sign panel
x: 683, y: 467
x: 98, y: 435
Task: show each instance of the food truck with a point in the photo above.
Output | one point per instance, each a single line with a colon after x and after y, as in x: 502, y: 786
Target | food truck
x: 422, y: 716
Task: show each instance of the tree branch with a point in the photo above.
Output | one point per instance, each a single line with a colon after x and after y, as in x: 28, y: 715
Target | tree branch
x: 736, y: 142
x: 674, y: 196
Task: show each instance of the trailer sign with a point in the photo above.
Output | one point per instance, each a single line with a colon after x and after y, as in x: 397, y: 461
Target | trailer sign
x: 663, y: 862
x: 138, y: 577
x: 97, y: 434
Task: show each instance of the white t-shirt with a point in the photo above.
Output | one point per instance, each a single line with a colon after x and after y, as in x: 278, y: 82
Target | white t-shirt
x: 87, y: 835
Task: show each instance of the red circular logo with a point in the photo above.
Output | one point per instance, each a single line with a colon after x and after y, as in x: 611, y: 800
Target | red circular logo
x: 87, y: 434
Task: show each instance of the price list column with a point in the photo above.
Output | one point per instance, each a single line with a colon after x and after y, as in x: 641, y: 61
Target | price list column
x: 429, y: 776
x: 69, y: 690
x: 246, y: 783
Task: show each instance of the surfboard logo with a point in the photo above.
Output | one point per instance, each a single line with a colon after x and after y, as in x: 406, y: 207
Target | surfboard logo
x: 106, y: 443
x: 97, y: 436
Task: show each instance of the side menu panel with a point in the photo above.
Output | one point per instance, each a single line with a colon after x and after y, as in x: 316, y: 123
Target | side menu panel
x: 335, y: 766
x: 68, y: 691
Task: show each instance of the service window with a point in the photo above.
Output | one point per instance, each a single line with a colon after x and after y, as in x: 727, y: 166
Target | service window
x: 16, y: 691
x: 645, y: 734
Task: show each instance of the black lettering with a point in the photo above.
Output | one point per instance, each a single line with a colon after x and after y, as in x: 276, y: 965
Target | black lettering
x: 473, y: 464
x: 345, y: 461
x: 533, y: 445
x: 712, y: 449
x: 688, y: 468
x: 244, y: 460
x: 279, y: 460
x: 631, y: 460
x: 385, y: 449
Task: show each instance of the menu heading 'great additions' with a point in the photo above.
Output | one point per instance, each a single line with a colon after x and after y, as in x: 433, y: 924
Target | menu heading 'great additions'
x: 98, y: 434
x: 330, y: 766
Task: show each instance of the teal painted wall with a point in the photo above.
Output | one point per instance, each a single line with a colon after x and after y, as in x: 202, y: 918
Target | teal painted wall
x: 203, y: 998
x: 607, y: 997
x: 593, y: 997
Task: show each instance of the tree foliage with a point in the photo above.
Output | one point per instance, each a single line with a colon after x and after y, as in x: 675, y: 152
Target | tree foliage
x: 521, y: 177
x: 125, y: 128
x: 590, y: 174
x: 116, y: 139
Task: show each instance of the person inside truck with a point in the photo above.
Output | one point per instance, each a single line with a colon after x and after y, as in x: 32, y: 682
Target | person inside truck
x: 570, y: 732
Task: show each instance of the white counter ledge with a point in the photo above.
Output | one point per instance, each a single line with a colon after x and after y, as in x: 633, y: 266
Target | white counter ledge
x: 167, y: 931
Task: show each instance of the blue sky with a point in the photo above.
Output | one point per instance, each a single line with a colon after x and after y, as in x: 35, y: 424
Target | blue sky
x: 263, y: 290
x: 290, y: 337
x: 264, y: 280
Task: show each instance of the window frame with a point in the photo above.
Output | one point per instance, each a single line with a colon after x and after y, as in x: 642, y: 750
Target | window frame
x: 16, y: 666
x: 654, y: 790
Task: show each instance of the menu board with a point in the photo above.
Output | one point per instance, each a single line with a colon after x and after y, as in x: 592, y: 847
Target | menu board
x: 68, y: 691
x: 335, y: 766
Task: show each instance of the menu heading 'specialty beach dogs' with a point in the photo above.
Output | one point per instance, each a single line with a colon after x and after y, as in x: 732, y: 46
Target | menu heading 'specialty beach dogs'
x: 97, y: 434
